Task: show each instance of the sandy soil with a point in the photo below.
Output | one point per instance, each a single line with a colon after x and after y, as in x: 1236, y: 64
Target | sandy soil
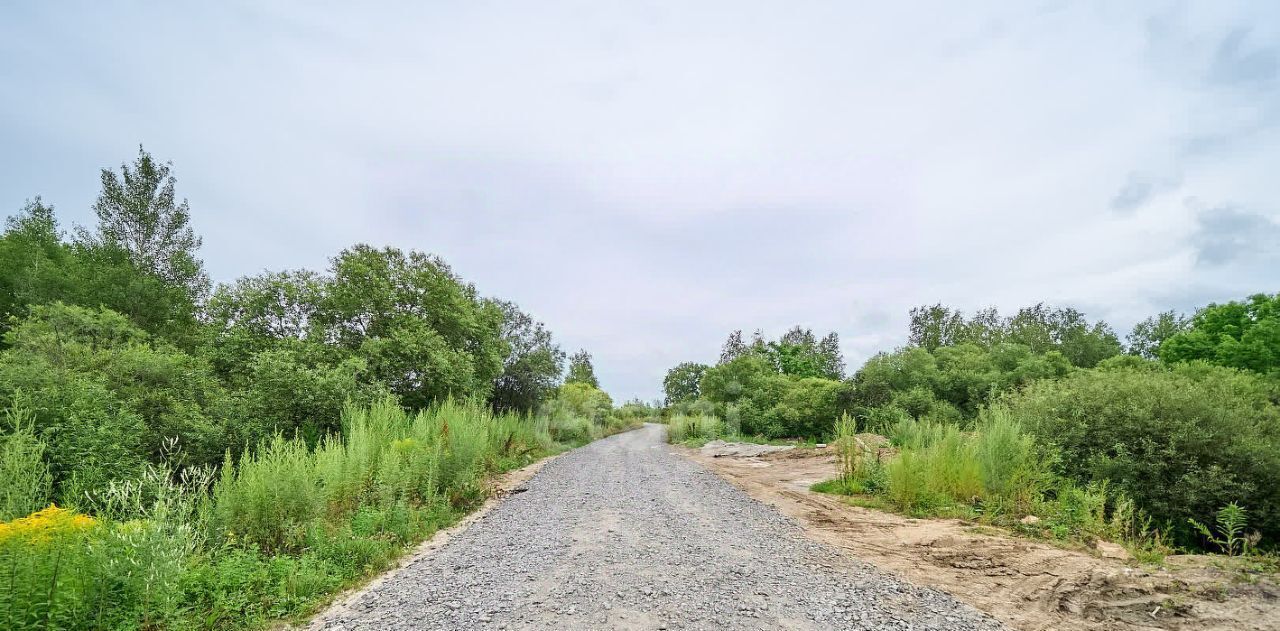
x: 1024, y: 583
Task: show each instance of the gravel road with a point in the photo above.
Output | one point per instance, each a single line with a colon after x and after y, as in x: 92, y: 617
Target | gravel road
x: 624, y: 534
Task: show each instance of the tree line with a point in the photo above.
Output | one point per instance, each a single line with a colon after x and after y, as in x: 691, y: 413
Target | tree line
x: 124, y: 352
x: 1183, y: 417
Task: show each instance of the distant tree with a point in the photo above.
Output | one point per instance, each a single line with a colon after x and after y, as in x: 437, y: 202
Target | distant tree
x: 138, y: 212
x: 832, y: 362
x: 532, y: 366
x: 1147, y: 336
x: 581, y: 370
x: 935, y: 326
x: 1236, y: 334
x: 1039, y: 328
x: 681, y: 382
x: 733, y: 348
x: 33, y: 261
x: 799, y: 354
x: 578, y: 399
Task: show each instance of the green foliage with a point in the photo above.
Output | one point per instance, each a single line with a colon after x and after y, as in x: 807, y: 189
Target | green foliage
x: 25, y: 485
x: 532, y: 366
x: 1180, y: 441
x: 1230, y: 536
x: 861, y: 466
x: 681, y: 382
x: 421, y: 330
x: 638, y: 409
x: 37, y: 268
x: 750, y: 392
x: 269, y: 497
x: 1039, y: 328
x: 996, y: 473
x: 797, y: 353
x: 681, y: 428
x: 1242, y: 335
x: 948, y: 383
x: 104, y: 393
x: 138, y: 213
x: 581, y: 371
x: 286, y: 393
x: 1147, y: 336
x: 579, y: 399
x: 260, y: 313
x: 121, y: 569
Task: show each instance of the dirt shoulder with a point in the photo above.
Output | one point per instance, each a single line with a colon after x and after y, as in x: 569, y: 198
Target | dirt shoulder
x: 1024, y: 583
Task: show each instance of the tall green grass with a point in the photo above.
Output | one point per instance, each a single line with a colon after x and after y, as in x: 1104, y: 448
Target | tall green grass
x: 270, y: 536
x: 681, y: 427
x: 995, y: 472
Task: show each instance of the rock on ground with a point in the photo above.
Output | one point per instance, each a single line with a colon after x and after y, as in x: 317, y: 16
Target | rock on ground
x: 624, y: 534
x: 720, y: 448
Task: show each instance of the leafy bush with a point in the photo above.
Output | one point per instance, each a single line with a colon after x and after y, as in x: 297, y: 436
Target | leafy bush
x: 749, y: 392
x: 948, y: 383
x: 288, y: 392
x: 106, y: 397
x: 1180, y: 441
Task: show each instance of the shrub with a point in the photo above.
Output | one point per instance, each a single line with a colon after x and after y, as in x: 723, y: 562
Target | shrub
x: 1180, y: 441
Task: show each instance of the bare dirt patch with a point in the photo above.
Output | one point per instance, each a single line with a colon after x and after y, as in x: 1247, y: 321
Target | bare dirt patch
x: 1024, y: 583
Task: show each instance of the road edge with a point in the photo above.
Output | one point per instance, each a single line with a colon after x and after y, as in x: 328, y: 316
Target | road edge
x: 503, y: 485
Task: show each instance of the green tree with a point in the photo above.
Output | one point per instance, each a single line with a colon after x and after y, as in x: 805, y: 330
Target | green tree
x: 1236, y: 334
x: 138, y: 212
x: 581, y: 400
x: 173, y: 394
x: 33, y: 261
x: 289, y: 393
x: 1039, y: 328
x: 935, y: 326
x: 106, y: 397
x: 258, y: 313
x: 422, y: 330
x: 581, y: 370
x: 733, y: 348
x: 681, y: 382
x: 798, y: 353
x: 1147, y: 336
x: 532, y: 366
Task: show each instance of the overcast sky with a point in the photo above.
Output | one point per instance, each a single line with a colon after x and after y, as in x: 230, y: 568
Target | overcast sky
x: 647, y: 176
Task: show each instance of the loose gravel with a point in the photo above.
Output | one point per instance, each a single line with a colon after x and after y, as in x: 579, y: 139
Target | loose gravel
x: 624, y: 534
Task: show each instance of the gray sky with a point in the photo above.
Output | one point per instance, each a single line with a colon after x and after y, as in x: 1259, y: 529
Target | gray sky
x: 647, y: 176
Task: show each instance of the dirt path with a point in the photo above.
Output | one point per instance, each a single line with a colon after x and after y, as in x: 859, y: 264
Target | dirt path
x: 1027, y: 584
x: 624, y: 534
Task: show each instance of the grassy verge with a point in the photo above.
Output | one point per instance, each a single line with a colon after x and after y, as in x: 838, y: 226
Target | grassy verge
x: 276, y: 533
x: 994, y: 474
